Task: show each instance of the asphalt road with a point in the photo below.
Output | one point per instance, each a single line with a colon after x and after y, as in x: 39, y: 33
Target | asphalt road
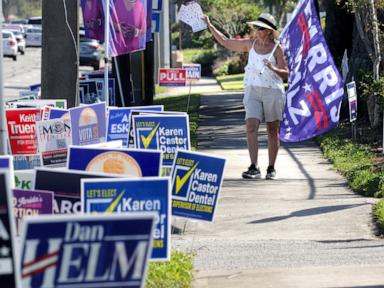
x: 19, y: 75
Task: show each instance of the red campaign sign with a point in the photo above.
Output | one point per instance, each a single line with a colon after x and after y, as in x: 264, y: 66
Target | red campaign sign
x: 172, y: 77
x: 21, y: 124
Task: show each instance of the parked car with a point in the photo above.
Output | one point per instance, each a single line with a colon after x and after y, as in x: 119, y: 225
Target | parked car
x: 20, y: 21
x: 90, y: 52
x: 20, y: 41
x: 35, y: 20
x: 33, y: 37
x: 9, y: 45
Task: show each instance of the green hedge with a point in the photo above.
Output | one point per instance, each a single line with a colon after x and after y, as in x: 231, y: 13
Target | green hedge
x: 355, y: 162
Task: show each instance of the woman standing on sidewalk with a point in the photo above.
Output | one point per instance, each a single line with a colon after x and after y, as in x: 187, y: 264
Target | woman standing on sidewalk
x: 263, y: 88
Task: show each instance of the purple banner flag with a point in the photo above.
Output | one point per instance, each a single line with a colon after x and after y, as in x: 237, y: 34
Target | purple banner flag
x: 316, y: 88
x: 93, y: 18
x: 128, y: 26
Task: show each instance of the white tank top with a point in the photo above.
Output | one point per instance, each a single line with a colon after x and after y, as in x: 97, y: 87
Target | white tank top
x: 252, y: 77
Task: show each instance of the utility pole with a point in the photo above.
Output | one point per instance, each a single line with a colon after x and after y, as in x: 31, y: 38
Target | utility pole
x: 60, y: 50
x: 3, y: 129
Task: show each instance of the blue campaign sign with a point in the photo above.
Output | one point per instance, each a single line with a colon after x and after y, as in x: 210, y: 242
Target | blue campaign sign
x: 167, y: 133
x: 119, y: 121
x: 5, y: 162
x: 86, y: 251
x: 129, y: 162
x: 155, y: 21
x: 157, y: 5
x: 196, y: 184
x: 57, y: 113
x: 193, y: 71
x: 132, y: 196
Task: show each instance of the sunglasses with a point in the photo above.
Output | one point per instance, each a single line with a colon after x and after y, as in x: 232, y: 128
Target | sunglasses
x: 260, y: 28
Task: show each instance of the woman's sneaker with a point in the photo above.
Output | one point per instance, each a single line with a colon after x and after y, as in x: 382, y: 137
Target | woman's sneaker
x: 271, y: 173
x: 252, y: 173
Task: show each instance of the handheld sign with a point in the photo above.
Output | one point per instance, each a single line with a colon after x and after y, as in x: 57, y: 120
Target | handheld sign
x: 166, y: 133
x: 128, y: 162
x: 193, y: 71
x: 172, y: 77
x: 352, y: 100
x: 132, y: 196
x: 8, y: 264
x: 196, y: 182
x: 86, y: 251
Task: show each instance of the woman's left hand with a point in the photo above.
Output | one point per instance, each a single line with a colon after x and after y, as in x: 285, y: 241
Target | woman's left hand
x: 268, y: 64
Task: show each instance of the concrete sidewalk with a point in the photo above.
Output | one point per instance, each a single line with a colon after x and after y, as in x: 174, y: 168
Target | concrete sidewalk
x: 304, y: 229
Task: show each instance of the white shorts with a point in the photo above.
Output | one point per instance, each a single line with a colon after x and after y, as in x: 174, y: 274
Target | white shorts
x: 263, y: 103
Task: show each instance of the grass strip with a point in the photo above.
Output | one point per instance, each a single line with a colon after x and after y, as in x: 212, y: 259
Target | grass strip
x: 231, y: 82
x: 354, y: 161
x: 179, y: 103
x: 357, y: 163
x: 177, y: 273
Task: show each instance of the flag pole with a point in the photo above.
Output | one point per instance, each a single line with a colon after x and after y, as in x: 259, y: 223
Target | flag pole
x: 277, y: 41
x: 106, y: 61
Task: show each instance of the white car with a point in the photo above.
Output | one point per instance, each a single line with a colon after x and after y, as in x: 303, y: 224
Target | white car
x: 9, y: 45
x: 33, y: 37
x: 20, y: 40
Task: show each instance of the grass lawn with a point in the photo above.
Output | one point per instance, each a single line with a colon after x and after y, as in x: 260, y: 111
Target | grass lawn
x: 179, y: 103
x: 160, y: 89
x: 188, y: 54
x: 231, y: 82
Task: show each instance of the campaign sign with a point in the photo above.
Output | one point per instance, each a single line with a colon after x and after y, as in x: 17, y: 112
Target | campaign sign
x: 24, y: 179
x: 119, y: 121
x: 65, y: 185
x: 24, y: 162
x: 88, y: 124
x: 157, y: 5
x: 172, y: 77
x: 8, y: 272
x: 21, y: 124
x: 5, y: 162
x: 132, y: 196
x: 86, y: 251
x: 352, y: 100
x: 31, y: 203
x: 56, y: 113
x: 193, y: 71
x: 54, y: 137
x: 131, y: 135
x: 128, y: 162
x: 196, y: 184
x: 167, y: 133
x: 58, y: 103
x: 155, y: 22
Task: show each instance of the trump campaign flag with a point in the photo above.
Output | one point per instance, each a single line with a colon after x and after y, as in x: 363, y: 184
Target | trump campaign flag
x: 316, y: 88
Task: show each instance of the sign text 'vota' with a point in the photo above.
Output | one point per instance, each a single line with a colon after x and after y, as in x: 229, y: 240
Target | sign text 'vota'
x: 88, y: 124
x: 193, y: 71
x: 132, y: 196
x: 86, y: 251
x: 128, y: 162
x: 165, y: 133
x: 119, y: 121
x: 21, y: 124
x: 8, y: 272
x: 172, y: 77
x: 196, y: 183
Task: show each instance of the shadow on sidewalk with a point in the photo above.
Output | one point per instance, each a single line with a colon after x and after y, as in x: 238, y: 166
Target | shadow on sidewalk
x: 307, y: 212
